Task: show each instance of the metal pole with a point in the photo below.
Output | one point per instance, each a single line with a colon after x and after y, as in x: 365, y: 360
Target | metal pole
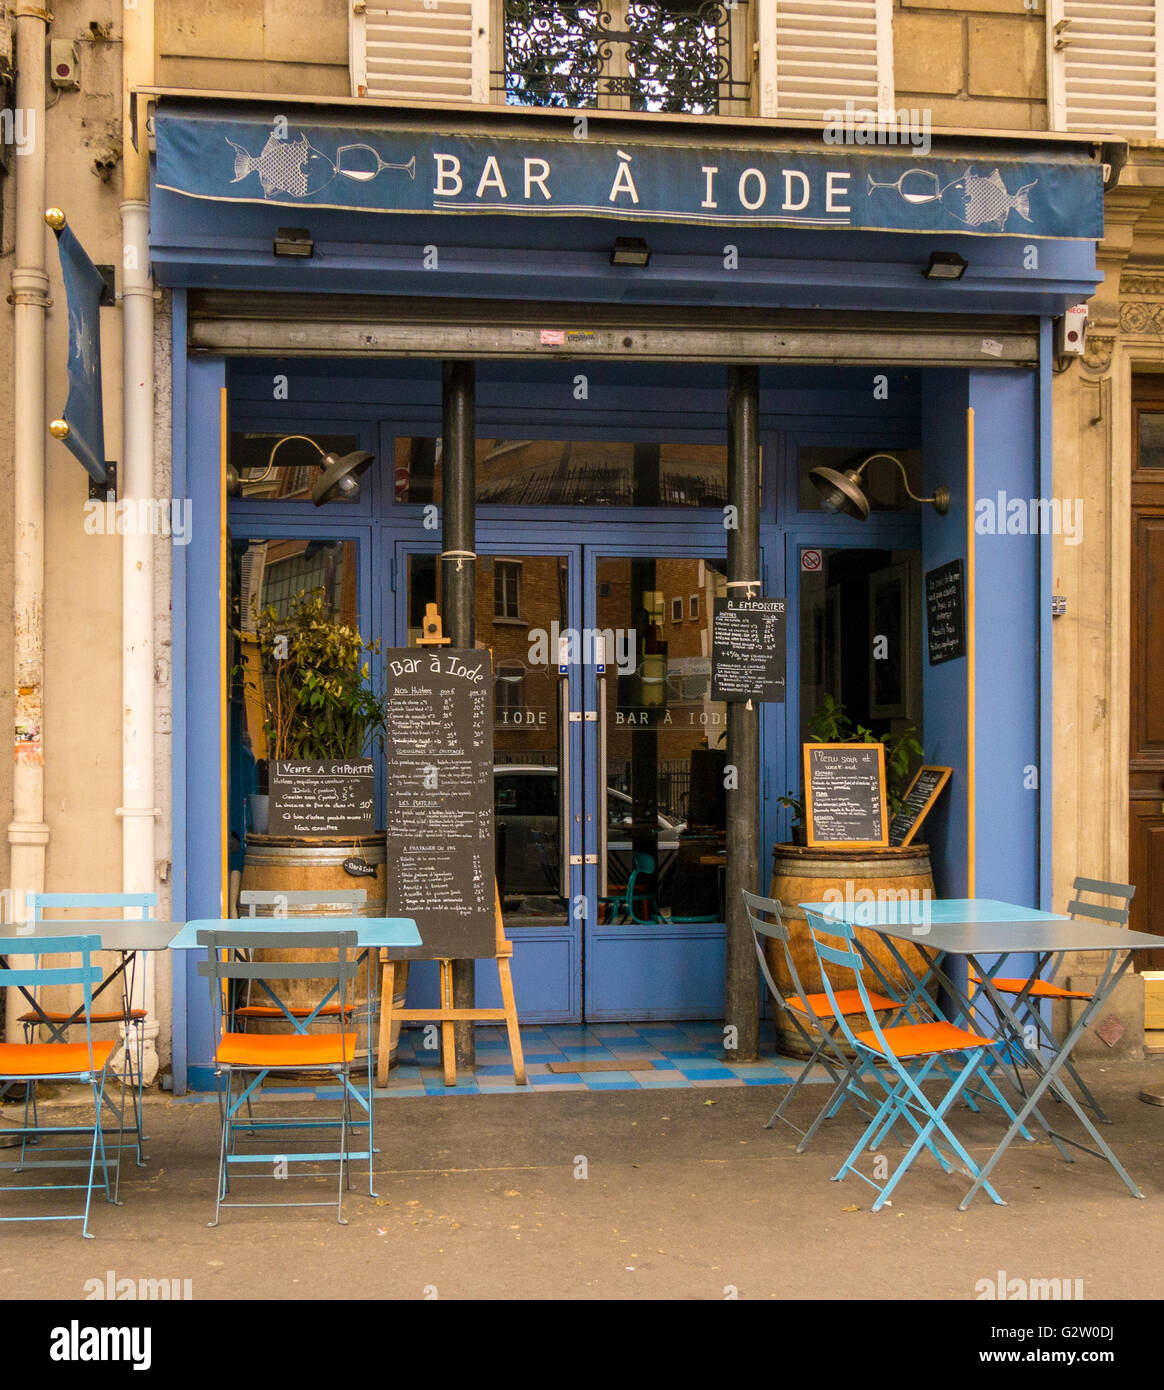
x: 459, y: 587
x: 741, y: 993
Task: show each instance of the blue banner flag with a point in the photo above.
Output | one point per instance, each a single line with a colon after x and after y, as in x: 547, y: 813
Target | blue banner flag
x: 83, y: 412
x: 1018, y: 189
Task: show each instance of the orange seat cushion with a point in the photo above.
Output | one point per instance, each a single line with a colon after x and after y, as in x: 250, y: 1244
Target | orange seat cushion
x: 921, y: 1039
x: 51, y: 1016
x: 51, y: 1059
x: 1041, y: 989
x: 848, y: 1002
x: 295, y: 1010
x: 286, y: 1049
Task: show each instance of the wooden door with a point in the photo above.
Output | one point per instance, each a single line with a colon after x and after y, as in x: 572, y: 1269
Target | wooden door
x: 1146, y: 766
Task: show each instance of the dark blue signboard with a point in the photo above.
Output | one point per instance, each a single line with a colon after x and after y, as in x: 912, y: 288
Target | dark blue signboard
x: 386, y: 169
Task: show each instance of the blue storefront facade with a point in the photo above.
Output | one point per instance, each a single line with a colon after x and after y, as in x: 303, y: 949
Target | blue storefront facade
x: 603, y: 504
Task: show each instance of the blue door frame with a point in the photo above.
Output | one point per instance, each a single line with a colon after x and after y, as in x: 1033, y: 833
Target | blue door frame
x: 1010, y: 620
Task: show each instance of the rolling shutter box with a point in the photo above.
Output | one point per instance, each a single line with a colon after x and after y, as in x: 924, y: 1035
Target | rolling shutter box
x: 1105, y: 65
x: 407, y: 50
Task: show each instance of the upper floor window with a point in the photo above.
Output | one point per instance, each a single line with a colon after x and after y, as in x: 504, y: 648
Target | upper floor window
x: 641, y: 55
x: 1106, y: 66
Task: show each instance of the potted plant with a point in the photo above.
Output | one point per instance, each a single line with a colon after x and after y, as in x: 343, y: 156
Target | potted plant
x: 831, y: 724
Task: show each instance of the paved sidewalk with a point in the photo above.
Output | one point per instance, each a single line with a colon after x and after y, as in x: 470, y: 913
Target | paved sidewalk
x: 685, y: 1196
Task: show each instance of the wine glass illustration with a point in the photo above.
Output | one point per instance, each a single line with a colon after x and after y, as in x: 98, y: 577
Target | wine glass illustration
x: 356, y: 162
x: 914, y: 186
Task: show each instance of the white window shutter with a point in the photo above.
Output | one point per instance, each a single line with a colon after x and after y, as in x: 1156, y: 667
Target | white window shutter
x: 815, y: 55
x: 408, y: 50
x: 1106, y: 67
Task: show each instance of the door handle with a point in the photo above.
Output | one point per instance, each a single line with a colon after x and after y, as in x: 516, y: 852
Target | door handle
x: 564, y: 787
x: 603, y: 885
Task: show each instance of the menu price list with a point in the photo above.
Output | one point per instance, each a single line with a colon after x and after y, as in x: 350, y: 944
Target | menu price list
x: 748, y: 649
x: 846, y: 795
x: 946, y: 613
x: 439, y: 798
x: 322, y: 798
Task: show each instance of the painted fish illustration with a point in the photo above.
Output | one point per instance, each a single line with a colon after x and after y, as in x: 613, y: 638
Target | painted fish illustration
x: 285, y: 166
x: 977, y: 200
x: 974, y: 199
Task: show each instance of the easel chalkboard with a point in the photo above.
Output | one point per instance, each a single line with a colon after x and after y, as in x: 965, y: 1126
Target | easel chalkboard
x: 923, y: 791
x: 440, y: 835
x: 844, y: 795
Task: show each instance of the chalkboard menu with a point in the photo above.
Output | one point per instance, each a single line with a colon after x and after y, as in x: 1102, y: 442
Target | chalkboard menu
x: 747, y: 649
x: 439, y: 756
x: 322, y: 798
x: 946, y: 613
x: 844, y: 794
x: 923, y: 792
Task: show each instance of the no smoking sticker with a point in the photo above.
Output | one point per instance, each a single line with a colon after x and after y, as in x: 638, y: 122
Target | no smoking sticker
x: 810, y: 560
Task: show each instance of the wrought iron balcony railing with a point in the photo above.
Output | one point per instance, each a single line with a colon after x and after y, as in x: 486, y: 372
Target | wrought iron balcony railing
x: 643, y: 55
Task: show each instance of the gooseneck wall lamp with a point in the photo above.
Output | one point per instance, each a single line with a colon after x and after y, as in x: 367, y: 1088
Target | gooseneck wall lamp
x: 842, y: 492
x: 339, y: 477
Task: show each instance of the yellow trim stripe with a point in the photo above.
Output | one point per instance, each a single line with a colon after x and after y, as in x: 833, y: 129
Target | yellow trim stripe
x: 224, y: 720
x: 971, y: 770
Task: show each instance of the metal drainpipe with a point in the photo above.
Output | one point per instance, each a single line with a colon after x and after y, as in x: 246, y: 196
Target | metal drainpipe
x: 138, y: 809
x: 27, y: 833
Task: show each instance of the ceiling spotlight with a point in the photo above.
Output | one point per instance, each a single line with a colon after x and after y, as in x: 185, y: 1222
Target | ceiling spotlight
x: 630, y: 250
x: 338, y: 481
x: 293, y: 241
x: 842, y: 492
x: 945, y: 265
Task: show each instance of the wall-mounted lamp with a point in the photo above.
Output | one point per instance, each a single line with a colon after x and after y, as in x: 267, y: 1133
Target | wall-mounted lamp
x: 293, y: 241
x: 842, y: 492
x: 630, y: 250
x: 945, y: 265
x: 338, y: 481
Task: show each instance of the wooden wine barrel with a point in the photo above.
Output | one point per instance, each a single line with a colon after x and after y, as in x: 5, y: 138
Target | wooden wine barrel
x: 290, y: 863
x: 801, y: 875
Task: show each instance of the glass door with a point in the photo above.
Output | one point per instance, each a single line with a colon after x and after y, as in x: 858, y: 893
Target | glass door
x: 655, y: 773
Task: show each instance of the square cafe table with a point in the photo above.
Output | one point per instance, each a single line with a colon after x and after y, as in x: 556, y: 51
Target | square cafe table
x: 983, y: 927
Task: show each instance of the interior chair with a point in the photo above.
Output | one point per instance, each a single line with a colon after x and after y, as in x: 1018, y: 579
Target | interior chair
x: 643, y: 868
x: 1033, y: 990
x: 814, y: 1019
x: 250, y: 1058
x: 59, y: 1061
x: 130, y: 1019
x: 904, y: 1057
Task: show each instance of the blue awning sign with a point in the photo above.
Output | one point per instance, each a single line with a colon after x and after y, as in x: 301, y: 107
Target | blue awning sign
x: 1028, y: 192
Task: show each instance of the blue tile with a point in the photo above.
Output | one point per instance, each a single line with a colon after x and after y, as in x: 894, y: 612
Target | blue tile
x: 627, y: 1085
x: 767, y: 1080
x: 708, y: 1073
x: 677, y: 1054
x: 554, y: 1078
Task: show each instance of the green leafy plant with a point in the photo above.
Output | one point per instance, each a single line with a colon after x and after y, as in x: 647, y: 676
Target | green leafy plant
x: 831, y: 724
x: 315, y: 682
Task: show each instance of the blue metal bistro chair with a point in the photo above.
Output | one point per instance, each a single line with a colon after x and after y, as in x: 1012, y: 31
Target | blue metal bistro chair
x: 132, y: 1020
x: 813, y: 1017
x: 252, y: 1057
x: 57, y: 1061
x: 918, y: 1045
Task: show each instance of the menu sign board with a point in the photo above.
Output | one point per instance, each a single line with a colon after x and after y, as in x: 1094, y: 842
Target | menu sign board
x: 946, y: 613
x: 923, y: 792
x: 439, y: 756
x: 322, y: 798
x: 747, y: 649
x: 844, y: 795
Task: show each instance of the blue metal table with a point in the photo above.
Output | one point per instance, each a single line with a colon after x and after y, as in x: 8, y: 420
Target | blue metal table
x: 982, y: 927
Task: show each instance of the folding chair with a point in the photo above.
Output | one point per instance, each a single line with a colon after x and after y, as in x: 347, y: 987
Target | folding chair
x: 132, y: 1020
x: 350, y: 898
x: 923, y: 1044
x: 30, y: 1062
x: 255, y: 1056
x: 810, y: 1014
x: 1034, y: 989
